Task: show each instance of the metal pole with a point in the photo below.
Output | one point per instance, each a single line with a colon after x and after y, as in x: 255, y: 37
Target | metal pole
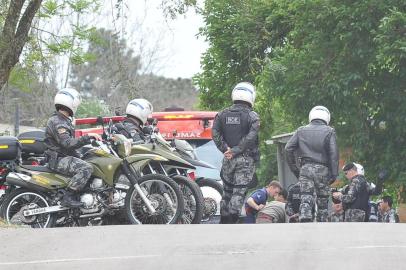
x: 17, y: 119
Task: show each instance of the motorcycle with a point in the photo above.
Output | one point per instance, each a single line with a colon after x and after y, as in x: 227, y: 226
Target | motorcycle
x: 176, y: 168
x: 151, y: 199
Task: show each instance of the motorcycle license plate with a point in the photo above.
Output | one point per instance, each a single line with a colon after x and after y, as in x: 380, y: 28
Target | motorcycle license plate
x: 42, y: 210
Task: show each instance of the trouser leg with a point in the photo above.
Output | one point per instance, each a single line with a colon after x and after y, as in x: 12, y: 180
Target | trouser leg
x: 322, y: 187
x: 307, y: 197
x: 79, y: 170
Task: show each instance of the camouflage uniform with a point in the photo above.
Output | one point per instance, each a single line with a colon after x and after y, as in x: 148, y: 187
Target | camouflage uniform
x: 387, y: 217
x: 355, y: 200
x: 336, y: 217
x: 293, y: 202
x: 316, y: 149
x: 236, y: 174
x: 314, y: 178
x: 131, y: 129
x: 354, y: 215
x: 236, y: 127
x: 62, y: 151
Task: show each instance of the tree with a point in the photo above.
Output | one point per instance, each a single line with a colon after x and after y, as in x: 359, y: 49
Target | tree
x: 15, y: 28
x: 348, y: 56
x: 114, y: 74
x: 242, y: 34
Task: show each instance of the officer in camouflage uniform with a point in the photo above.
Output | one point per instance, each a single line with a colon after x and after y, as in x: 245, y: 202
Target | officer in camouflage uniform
x: 235, y: 133
x: 355, y: 198
x: 316, y: 148
x: 337, y: 214
x: 62, y: 146
x: 293, y: 203
x: 386, y: 214
x: 137, y: 112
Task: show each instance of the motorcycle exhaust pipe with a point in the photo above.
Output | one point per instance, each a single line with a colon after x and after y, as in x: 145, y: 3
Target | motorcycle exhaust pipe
x: 101, y: 213
x: 23, y: 180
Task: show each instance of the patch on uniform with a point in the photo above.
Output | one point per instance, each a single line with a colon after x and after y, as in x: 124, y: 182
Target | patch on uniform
x: 62, y: 130
x: 233, y: 120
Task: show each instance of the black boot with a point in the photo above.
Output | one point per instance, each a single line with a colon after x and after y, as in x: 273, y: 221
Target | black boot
x: 70, y: 200
x: 224, y: 220
x: 234, y: 219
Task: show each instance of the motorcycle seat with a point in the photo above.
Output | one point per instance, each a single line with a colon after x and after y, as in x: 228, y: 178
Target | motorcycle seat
x: 37, y: 168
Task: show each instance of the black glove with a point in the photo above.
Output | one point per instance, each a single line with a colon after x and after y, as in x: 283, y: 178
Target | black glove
x: 332, y: 180
x: 85, y: 139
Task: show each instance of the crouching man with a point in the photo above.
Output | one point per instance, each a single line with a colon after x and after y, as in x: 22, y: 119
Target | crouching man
x: 274, y: 212
x: 258, y: 199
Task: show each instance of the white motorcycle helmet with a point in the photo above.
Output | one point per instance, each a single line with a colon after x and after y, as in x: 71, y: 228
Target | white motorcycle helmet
x: 244, y: 91
x: 360, y: 169
x: 320, y: 112
x: 69, y: 98
x: 139, y: 108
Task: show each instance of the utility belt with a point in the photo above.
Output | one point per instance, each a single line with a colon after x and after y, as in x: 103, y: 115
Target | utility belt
x: 304, y: 161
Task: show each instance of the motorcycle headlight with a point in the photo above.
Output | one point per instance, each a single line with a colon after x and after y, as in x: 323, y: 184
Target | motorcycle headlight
x: 127, y: 147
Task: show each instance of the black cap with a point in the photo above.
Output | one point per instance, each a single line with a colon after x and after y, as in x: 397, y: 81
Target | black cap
x: 349, y: 166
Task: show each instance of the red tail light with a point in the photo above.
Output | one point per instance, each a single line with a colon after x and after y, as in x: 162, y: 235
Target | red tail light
x: 192, y: 175
x: 3, y: 171
x: 34, y: 163
x: 3, y: 187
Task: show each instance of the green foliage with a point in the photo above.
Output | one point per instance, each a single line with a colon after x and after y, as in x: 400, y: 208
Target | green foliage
x: 92, y: 108
x: 22, y: 78
x: 346, y: 55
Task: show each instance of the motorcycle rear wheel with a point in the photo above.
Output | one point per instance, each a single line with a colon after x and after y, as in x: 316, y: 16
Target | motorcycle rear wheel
x: 23, y: 199
x: 165, y: 197
x: 193, y: 197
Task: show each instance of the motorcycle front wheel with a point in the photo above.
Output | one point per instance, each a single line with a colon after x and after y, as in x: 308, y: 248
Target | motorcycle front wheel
x: 193, y: 197
x: 164, y: 195
x: 19, y: 200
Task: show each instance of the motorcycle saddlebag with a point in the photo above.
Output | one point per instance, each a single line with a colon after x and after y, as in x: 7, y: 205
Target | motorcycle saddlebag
x: 10, y: 148
x: 32, y: 142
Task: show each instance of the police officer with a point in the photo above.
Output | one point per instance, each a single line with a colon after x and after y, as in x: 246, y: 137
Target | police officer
x: 386, y: 213
x: 235, y: 133
x: 355, y: 198
x: 373, y: 190
x: 62, y: 145
x: 137, y: 112
x: 315, y: 146
x: 293, y: 203
x: 337, y: 213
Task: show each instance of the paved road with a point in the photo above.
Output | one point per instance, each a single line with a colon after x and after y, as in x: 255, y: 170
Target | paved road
x: 265, y: 246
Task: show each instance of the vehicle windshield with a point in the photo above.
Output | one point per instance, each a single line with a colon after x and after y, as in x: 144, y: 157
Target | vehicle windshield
x: 207, y: 151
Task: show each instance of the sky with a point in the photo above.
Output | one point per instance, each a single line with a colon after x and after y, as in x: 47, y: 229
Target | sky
x: 168, y: 47
x: 148, y: 31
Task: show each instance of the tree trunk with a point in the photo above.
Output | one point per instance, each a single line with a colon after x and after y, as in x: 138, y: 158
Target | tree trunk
x: 15, y: 32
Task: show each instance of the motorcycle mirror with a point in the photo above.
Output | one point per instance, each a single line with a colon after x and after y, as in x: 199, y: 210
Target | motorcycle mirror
x: 150, y: 121
x: 147, y: 130
x: 100, y: 121
x: 205, y: 123
x: 117, y: 111
x: 111, y: 126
